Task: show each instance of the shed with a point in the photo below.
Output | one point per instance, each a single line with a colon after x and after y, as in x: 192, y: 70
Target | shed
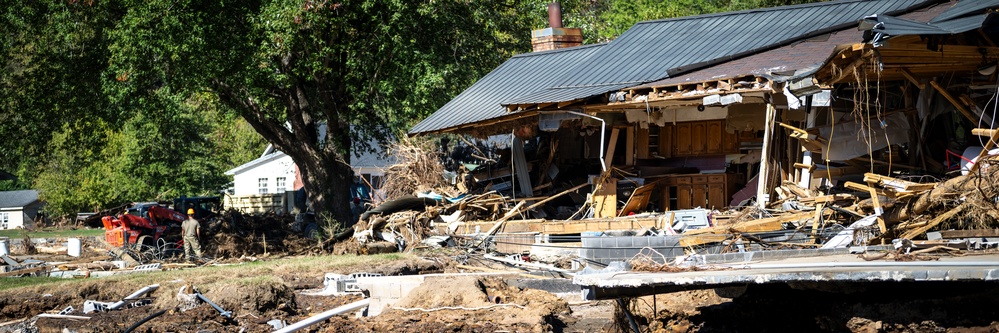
x: 18, y: 209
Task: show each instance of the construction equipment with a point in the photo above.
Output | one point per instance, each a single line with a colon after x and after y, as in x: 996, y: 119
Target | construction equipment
x: 143, y: 224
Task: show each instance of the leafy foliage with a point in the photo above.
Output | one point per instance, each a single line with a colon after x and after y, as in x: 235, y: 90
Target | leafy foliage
x: 130, y: 100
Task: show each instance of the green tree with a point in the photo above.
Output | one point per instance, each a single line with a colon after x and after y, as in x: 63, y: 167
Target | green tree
x: 52, y: 55
x: 362, y: 68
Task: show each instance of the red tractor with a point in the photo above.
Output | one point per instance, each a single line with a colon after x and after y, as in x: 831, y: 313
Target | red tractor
x: 144, y: 227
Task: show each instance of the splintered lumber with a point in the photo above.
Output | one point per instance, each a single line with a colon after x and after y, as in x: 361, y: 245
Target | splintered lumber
x: 897, y: 185
x: 985, y: 150
x: 829, y: 198
x: 499, y: 223
x: 862, y: 188
x: 936, y: 221
x: 808, y: 140
x: 974, y: 233
x: 717, y: 234
x: 605, y: 198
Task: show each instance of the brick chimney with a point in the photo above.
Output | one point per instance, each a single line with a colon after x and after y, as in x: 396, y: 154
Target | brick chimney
x: 555, y: 37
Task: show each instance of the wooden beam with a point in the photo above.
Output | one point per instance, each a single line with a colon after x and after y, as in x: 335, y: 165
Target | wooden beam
x: 933, y: 223
x: 974, y: 233
x: 957, y: 105
x: 852, y: 67
x: 611, y: 146
x: 762, y: 192
x: 983, y: 132
x: 985, y: 151
x: 629, y: 139
x: 908, y: 75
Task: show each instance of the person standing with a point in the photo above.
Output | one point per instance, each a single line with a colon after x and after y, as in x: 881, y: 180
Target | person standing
x: 192, y: 232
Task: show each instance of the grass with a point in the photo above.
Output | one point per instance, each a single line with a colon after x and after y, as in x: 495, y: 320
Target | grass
x: 245, y: 274
x: 53, y: 233
x: 15, y: 282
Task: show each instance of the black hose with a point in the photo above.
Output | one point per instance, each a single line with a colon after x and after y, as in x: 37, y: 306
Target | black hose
x: 144, y: 320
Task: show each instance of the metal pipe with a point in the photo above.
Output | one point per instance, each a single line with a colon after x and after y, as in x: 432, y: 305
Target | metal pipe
x: 624, y: 308
x: 555, y: 15
x: 223, y: 312
x: 135, y: 295
x: 603, y: 129
x: 323, y: 316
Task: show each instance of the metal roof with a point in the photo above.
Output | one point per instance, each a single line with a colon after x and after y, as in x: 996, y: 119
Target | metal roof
x: 653, y: 50
x: 17, y: 199
x: 965, y: 7
x: 521, y: 74
x: 787, y: 62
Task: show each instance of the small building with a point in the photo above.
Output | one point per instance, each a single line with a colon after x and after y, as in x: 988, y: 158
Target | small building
x: 18, y: 209
x: 268, y: 183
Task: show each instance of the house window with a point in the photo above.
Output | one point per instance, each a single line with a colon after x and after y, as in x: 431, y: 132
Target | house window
x: 376, y: 181
x: 279, y: 182
x: 262, y: 185
x: 4, y: 220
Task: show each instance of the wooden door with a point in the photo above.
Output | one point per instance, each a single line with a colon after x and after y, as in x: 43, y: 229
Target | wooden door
x: 698, y: 196
x: 683, y: 197
x: 642, y: 143
x: 683, y: 139
x: 717, y: 196
x: 714, y: 137
x: 698, y: 138
x: 666, y: 141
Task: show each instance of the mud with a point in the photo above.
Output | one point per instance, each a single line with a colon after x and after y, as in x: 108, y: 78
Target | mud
x: 880, y: 307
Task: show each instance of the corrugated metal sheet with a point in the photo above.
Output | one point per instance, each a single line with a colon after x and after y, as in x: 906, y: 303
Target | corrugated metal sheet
x: 965, y: 7
x: 654, y: 50
x: 563, y: 94
x: 520, y: 75
x: 788, y: 62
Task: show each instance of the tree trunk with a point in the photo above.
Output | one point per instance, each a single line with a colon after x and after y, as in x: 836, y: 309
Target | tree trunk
x: 327, y: 184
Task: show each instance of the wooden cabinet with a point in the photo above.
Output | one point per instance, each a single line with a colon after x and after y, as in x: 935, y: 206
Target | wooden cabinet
x: 697, y: 138
x: 714, y: 136
x: 666, y: 141
x: 706, y: 191
x: 682, y: 144
x: 642, y: 143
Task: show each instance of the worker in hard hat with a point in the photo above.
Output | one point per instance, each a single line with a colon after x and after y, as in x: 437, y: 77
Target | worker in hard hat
x: 192, y: 232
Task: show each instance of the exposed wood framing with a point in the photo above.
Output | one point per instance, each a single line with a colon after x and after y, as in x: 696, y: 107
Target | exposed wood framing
x: 912, y: 78
x: 957, y: 105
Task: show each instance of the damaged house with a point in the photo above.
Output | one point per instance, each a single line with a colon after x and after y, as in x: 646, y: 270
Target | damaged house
x: 728, y: 125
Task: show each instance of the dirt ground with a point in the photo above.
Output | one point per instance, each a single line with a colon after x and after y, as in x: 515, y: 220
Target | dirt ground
x: 878, y: 307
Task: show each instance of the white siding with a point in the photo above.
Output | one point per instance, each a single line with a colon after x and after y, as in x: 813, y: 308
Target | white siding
x: 246, y: 182
x: 15, y: 218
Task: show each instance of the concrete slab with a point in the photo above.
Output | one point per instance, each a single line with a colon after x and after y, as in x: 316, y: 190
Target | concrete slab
x: 834, y: 270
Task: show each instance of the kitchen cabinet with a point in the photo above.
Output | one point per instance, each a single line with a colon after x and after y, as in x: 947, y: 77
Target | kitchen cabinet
x: 711, y: 191
x: 695, y: 138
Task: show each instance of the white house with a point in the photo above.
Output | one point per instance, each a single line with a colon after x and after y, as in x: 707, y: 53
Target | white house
x: 274, y: 172
x: 18, y: 209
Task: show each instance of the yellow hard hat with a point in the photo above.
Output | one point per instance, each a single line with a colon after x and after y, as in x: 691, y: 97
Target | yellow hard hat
x: 190, y: 211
